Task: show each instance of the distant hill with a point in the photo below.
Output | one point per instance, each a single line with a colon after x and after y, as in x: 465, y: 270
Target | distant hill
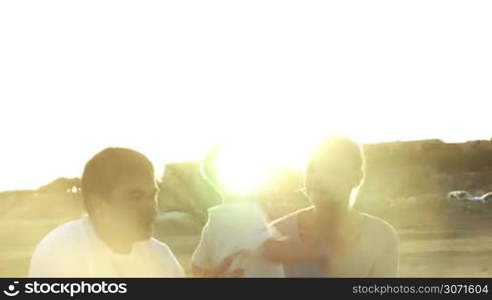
x: 395, y: 170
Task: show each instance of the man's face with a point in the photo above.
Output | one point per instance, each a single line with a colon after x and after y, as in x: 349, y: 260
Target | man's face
x: 131, y: 208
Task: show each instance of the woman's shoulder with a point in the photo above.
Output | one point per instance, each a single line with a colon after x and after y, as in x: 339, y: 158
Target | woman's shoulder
x: 293, y: 215
x: 379, y: 228
x: 287, y: 222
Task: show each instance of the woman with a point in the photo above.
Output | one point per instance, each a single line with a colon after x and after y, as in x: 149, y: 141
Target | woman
x: 331, y: 238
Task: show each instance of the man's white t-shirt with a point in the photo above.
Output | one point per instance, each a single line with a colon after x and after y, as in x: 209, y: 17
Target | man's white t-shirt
x: 236, y: 227
x: 74, y: 250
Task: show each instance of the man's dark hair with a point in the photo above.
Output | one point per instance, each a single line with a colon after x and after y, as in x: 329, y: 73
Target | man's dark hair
x: 104, y: 170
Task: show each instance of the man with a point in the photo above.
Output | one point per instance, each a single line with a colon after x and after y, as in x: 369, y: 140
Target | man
x: 115, y: 240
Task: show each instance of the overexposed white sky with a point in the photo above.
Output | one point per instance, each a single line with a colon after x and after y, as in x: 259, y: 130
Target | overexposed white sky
x: 169, y: 78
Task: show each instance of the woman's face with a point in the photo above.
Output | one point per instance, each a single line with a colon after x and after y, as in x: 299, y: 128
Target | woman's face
x: 330, y: 180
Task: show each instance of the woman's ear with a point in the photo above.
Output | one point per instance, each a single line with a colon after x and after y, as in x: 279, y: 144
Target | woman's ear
x: 358, y: 178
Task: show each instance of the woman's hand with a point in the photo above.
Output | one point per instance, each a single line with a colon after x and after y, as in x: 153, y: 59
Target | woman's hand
x: 286, y: 250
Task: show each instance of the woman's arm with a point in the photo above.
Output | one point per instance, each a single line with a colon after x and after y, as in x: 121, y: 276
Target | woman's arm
x: 286, y: 250
x: 386, y: 264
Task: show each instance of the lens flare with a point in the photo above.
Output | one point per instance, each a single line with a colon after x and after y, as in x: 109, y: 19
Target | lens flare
x: 242, y: 169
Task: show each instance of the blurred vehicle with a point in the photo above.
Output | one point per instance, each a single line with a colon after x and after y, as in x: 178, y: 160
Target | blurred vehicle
x: 486, y: 198
x: 476, y: 199
x: 468, y: 197
x: 459, y: 196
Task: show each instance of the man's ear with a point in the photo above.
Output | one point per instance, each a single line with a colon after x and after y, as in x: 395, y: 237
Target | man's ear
x: 97, y: 203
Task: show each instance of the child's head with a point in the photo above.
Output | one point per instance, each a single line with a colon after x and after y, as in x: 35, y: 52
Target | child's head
x: 208, y: 166
x: 238, y: 174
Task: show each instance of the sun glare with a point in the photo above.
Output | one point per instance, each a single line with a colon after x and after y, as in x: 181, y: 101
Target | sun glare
x: 244, y: 165
x: 242, y: 169
x: 169, y: 97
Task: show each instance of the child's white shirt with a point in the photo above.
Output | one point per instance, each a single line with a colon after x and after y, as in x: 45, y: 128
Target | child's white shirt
x: 236, y: 227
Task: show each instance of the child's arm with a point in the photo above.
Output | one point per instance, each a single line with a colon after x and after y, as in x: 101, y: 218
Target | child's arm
x: 200, y: 260
x: 386, y: 265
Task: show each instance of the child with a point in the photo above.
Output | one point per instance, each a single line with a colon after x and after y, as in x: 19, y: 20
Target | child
x: 237, y: 227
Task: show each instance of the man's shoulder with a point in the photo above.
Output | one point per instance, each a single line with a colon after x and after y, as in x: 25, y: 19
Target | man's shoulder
x: 162, y: 250
x: 65, y: 234
x: 159, y: 245
x: 165, y: 255
x: 60, y: 252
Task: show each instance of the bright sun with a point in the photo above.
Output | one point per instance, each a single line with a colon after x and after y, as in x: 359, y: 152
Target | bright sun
x: 245, y: 165
x: 242, y: 168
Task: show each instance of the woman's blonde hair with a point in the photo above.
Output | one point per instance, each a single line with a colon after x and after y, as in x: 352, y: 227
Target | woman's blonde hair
x: 349, y: 150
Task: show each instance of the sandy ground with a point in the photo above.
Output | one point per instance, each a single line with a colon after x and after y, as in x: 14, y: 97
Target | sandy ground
x: 454, y: 244
x: 460, y: 248
x: 457, y: 245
